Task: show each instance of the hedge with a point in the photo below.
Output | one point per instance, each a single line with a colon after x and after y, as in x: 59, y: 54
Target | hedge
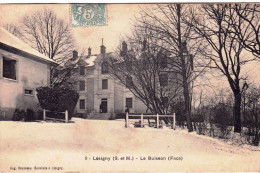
x: 58, y: 99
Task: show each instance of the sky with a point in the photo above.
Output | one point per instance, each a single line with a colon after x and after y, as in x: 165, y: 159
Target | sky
x: 119, y: 17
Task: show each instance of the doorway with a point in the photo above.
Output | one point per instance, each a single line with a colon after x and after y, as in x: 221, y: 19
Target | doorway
x: 103, y: 105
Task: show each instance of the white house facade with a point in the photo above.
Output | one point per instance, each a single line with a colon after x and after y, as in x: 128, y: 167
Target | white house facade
x: 22, y: 70
x: 102, y: 96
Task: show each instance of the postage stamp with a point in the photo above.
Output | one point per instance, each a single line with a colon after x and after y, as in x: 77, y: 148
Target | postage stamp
x: 88, y: 15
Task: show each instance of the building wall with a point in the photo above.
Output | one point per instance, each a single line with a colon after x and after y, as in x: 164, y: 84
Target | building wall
x: 30, y: 74
x: 116, y: 93
x: 119, y: 98
x: 90, y: 94
x: 103, y: 93
x: 140, y: 106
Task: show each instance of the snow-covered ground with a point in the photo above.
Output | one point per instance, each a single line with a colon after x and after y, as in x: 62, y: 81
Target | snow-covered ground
x: 41, y: 146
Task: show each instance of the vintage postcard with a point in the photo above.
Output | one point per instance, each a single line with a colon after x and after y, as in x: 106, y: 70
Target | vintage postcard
x: 101, y: 87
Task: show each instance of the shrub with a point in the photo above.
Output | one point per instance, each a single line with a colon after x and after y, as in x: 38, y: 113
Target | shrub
x: 22, y: 114
x: 251, y: 121
x: 178, y: 108
x: 58, y: 99
x: 79, y: 115
x: 222, y: 118
x: 111, y: 117
x: 180, y: 119
x: 19, y: 115
x: 198, y: 118
x: 199, y: 125
x: 16, y: 115
x: 39, y: 115
x: 251, y: 114
x: 120, y: 116
x: 30, y: 115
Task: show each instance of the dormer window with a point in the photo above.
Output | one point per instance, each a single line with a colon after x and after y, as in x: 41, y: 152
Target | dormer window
x: 82, y: 70
x: 104, y: 68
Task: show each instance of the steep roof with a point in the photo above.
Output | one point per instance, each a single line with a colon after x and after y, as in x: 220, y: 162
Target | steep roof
x: 90, y: 61
x: 12, y: 41
x: 86, y: 60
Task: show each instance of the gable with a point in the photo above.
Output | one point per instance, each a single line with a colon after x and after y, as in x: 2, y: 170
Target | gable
x: 13, y: 44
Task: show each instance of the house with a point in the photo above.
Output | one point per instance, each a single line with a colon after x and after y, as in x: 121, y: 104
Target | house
x: 102, y: 96
x: 22, y: 70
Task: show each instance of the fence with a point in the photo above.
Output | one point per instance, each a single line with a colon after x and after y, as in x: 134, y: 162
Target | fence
x: 173, y: 125
x: 66, y: 120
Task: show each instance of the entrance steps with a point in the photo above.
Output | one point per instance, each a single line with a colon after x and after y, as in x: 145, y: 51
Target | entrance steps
x: 99, y: 116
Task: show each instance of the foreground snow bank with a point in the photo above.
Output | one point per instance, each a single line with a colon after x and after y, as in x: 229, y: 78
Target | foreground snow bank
x: 97, y: 145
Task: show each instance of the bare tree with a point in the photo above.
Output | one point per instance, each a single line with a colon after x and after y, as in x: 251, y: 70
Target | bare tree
x: 52, y: 37
x: 247, y: 26
x: 142, y: 69
x: 13, y: 29
x: 251, y: 117
x: 167, y: 21
x: 225, y: 51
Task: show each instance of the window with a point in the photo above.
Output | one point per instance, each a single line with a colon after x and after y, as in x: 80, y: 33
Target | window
x: 129, y: 82
x: 163, y: 78
x: 28, y: 92
x: 104, y: 84
x: 82, y: 85
x: 82, y: 104
x: 82, y: 70
x: 129, y: 102
x: 104, y: 68
x: 9, y: 68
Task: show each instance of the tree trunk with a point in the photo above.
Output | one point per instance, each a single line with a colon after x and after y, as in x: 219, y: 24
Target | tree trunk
x: 185, y: 84
x: 237, y: 113
x: 256, y: 140
x: 187, y: 105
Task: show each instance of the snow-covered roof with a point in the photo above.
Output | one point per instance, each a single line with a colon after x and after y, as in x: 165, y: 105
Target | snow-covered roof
x: 90, y: 60
x: 13, y: 41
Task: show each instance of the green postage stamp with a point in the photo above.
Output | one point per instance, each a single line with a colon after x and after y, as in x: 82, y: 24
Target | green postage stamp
x: 88, y: 15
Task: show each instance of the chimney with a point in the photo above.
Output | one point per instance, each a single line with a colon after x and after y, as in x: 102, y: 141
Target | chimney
x: 102, y: 48
x: 75, y: 54
x: 89, y: 52
x: 124, y: 47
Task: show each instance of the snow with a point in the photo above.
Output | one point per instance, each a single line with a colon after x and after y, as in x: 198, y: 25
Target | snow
x: 91, y: 61
x: 11, y: 40
x: 63, y: 145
